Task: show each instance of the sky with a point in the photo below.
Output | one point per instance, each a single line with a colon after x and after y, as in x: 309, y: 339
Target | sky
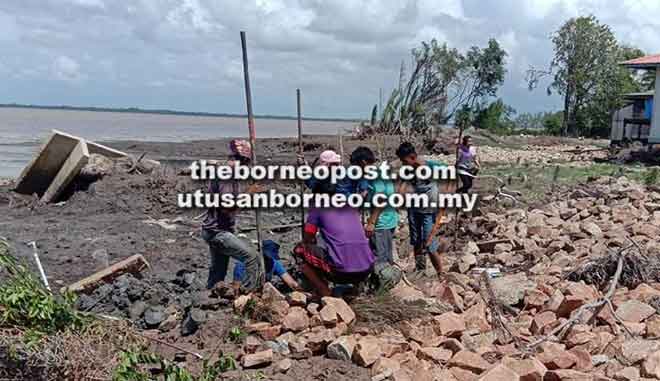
x: 186, y: 54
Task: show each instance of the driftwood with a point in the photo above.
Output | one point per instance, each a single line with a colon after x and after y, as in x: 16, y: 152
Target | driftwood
x: 595, y: 306
x: 132, y: 264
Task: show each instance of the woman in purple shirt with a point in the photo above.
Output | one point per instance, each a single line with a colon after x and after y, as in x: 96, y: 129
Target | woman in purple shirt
x: 344, y: 256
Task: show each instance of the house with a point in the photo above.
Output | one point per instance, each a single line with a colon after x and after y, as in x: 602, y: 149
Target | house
x: 639, y: 120
x: 632, y: 122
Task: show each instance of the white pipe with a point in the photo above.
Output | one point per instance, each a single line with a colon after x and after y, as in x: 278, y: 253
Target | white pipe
x: 41, y: 269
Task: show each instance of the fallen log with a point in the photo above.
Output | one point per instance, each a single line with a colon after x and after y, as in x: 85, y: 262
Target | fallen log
x: 133, y: 264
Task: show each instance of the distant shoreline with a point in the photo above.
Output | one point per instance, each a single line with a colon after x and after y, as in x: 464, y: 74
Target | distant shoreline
x: 135, y: 110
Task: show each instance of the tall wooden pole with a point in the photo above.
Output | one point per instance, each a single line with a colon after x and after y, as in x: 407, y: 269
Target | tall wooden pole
x: 301, y: 152
x: 253, y: 134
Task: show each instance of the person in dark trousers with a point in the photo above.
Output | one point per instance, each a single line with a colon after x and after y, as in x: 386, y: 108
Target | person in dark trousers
x: 421, y: 220
x: 467, y: 162
x: 218, y: 230
x: 272, y: 265
x: 381, y: 224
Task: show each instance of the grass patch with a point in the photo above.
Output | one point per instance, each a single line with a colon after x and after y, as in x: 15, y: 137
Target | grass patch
x: 535, y: 182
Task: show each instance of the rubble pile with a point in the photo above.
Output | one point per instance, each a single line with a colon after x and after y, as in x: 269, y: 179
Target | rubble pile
x: 533, y: 155
x: 525, y: 322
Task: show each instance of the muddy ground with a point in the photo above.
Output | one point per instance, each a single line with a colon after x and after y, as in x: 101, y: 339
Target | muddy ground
x: 113, y: 219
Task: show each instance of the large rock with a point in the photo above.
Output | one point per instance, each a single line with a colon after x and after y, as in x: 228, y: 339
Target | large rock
x: 540, y: 321
x: 342, y: 348
x: 296, y: 320
x: 367, y: 351
x: 511, y: 289
x: 437, y: 355
x: 555, y: 356
x: 651, y: 366
x: 634, y: 311
x: 270, y: 293
x: 469, y: 361
x: 636, y: 350
x: 297, y: 298
x: 500, y: 373
x: 567, y: 375
x: 530, y: 369
x: 154, y: 315
x: 258, y: 359
x: 328, y: 315
x: 449, y: 324
x: 343, y: 309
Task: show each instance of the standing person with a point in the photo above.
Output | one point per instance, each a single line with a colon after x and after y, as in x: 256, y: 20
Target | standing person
x: 467, y: 161
x: 218, y: 229
x: 343, y: 255
x: 381, y: 224
x: 421, y: 220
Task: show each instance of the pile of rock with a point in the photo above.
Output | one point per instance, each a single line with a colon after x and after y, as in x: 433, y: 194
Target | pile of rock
x: 535, y: 155
x: 509, y: 333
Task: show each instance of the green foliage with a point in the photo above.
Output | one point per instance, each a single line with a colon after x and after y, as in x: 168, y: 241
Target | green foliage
x: 585, y: 70
x: 443, y: 81
x: 137, y: 365
x: 552, y: 123
x: 374, y: 115
x: 652, y: 176
x: 236, y: 334
x: 26, y: 303
x: 496, y: 118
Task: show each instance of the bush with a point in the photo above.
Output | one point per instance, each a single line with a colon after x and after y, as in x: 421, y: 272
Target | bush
x: 26, y: 303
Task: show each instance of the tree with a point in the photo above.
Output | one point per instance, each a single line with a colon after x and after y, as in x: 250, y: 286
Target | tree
x: 496, y: 117
x: 585, y: 70
x: 442, y: 81
x: 552, y: 123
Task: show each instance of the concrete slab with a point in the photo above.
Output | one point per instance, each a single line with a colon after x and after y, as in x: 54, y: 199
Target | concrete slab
x: 40, y: 172
x: 53, y: 168
x: 77, y: 159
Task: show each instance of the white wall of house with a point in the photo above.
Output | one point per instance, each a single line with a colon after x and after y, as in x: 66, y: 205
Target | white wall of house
x: 654, y: 135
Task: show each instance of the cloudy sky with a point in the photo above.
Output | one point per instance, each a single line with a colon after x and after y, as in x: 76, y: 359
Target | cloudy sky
x: 185, y: 54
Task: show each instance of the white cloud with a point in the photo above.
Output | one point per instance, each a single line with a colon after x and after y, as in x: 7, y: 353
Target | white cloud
x: 66, y: 69
x: 340, y: 52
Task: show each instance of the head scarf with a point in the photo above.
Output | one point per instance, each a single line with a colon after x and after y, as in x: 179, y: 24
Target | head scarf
x: 241, y: 148
x: 329, y: 157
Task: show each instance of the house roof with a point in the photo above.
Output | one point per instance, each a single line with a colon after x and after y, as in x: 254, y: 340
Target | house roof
x: 646, y: 62
x: 641, y: 95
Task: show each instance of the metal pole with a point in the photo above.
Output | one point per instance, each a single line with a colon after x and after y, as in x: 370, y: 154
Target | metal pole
x: 301, y: 152
x: 253, y: 135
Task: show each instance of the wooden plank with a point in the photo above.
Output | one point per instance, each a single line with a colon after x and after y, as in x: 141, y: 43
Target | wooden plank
x: 133, y: 264
x: 37, y: 176
x: 70, y: 169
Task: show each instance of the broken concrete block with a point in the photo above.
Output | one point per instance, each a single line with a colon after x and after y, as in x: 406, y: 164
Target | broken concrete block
x: 296, y: 320
x: 257, y: 359
x: 634, y: 311
x: 469, y: 361
x: 367, y: 351
x: 342, y: 348
x: 69, y: 170
x: 343, y: 309
x: 500, y: 373
x: 530, y: 369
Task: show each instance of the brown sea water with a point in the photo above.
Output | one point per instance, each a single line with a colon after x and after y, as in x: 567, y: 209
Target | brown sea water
x: 22, y: 130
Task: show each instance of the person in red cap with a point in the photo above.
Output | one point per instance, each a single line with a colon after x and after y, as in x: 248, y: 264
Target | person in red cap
x: 218, y: 229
